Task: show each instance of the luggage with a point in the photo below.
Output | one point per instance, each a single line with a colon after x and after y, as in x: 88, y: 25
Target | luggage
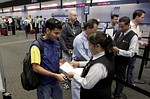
x: 32, y: 31
x: 4, y: 32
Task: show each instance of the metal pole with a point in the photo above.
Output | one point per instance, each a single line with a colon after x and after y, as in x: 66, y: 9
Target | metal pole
x: 142, y: 63
x: 36, y: 35
x: 85, y: 17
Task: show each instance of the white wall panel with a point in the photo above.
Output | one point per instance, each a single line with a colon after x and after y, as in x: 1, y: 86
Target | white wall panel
x: 103, y: 12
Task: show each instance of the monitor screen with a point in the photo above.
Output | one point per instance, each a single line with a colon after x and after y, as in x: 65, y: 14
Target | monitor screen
x: 86, y: 9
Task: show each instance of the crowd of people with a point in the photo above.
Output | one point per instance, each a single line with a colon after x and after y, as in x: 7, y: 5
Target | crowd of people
x: 29, y: 25
x: 101, y: 56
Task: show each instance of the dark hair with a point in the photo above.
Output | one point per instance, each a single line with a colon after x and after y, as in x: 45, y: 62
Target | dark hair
x: 53, y: 23
x: 114, y: 15
x: 105, y: 41
x: 138, y: 12
x: 90, y: 23
x: 125, y: 19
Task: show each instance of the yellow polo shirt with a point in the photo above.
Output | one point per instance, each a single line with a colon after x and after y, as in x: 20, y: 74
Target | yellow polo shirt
x: 35, y: 55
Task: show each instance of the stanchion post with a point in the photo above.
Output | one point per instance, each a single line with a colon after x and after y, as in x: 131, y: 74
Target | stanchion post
x: 145, y: 56
x: 36, y: 34
x: 148, y: 49
x: 142, y: 63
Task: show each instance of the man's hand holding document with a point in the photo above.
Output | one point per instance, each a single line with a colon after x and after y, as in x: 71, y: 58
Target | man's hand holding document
x: 66, y: 67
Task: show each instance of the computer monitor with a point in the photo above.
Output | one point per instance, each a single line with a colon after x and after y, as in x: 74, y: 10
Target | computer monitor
x: 86, y: 9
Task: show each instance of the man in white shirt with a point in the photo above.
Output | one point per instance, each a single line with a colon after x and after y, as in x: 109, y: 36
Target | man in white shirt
x: 126, y: 42
x: 138, y: 17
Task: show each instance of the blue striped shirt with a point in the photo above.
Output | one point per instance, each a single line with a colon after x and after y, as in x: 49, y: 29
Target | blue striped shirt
x: 81, y: 49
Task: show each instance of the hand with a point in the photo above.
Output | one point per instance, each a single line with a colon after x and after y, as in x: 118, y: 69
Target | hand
x: 61, y: 77
x: 143, y: 43
x: 74, y: 63
x: 70, y: 51
x: 62, y: 61
x: 116, y: 49
x: 140, y: 34
x: 70, y: 74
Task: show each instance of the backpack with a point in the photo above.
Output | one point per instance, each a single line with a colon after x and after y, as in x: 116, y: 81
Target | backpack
x: 30, y: 80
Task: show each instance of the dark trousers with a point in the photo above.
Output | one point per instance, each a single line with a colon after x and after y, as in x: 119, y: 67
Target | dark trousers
x: 130, y: 78
x: 13, y: 30
x: 121, y: 65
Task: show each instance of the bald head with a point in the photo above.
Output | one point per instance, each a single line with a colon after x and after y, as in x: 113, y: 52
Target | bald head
x: 72, y: 16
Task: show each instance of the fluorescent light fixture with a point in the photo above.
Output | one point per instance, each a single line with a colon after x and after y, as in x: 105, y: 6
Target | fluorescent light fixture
x: 69, y: 3
x: 88, y: 1
x: 6, y: 10
x: 50, y: 5
x: 32, y: 7
x: 15, y: 9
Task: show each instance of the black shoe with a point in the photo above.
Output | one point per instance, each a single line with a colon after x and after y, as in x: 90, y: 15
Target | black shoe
x: 123, y: 96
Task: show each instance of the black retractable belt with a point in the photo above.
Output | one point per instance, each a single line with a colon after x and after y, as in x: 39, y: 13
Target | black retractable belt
x: 135, y: 88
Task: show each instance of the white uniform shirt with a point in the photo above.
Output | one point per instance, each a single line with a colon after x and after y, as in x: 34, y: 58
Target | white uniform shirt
x: 133, y: 48
x: 136, y: 29
x: 97, y: 72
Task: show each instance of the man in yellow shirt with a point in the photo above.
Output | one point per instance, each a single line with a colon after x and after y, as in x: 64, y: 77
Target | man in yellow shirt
x: 48, y: 65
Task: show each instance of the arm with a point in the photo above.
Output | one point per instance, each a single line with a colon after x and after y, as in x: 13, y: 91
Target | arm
x: 81, y: 49
x: 132, y: 48
x: 36, y: 60
x: 63, y: 36
x: 37, y: 68
x: 97, y: 72
x: 78, y: 63
x: 140, y: 35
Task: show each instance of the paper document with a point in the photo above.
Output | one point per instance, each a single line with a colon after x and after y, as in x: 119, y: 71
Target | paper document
x: 110, y: 31
x: 66, y: 67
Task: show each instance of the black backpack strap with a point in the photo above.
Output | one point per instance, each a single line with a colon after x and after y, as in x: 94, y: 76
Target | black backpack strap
x: 106, y: 27
x: 41, y: 46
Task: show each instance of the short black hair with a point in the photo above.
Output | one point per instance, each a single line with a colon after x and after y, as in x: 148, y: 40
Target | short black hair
x: 114, y: 15
x: 90, y: 23
x: 138, y: 12
x: 125, y: 19
x: 53, y: 23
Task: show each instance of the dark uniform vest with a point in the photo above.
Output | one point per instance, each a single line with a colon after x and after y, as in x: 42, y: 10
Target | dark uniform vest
x: 124, y: 44
x: 102, y: 90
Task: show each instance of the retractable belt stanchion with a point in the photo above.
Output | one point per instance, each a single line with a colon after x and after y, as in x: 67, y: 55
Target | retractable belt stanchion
x: 144, y: 60
x: 146, y: 65
x: 3, y: 87
x: 35, y: 33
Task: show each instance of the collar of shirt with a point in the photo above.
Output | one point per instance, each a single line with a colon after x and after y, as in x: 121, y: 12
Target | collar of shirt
x: 132, y: 24
x: 84, y: 34
x: 136, y: 29
x: 126, y: 32
x: 98, y: 55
